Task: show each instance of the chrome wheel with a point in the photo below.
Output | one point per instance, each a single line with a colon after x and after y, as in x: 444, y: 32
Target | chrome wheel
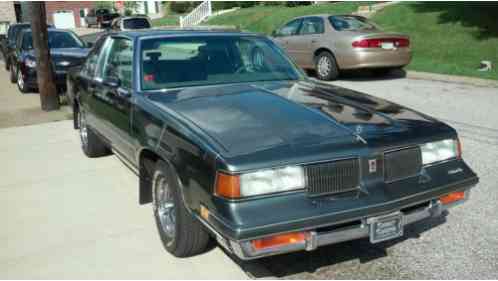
x: 83, y: 128
x: 164, y: 205
x: 20, y: 80
x: 324, y: 66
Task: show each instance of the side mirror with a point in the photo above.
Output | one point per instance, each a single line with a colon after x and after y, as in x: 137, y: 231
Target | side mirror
x: 112, y: 82
x: 89, y: 44
x: 274, y: 33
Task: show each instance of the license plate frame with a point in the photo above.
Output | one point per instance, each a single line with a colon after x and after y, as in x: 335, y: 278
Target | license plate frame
x: 386, y: 227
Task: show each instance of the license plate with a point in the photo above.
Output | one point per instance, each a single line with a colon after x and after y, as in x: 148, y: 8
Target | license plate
x: 387, y: 45
x: 385, y: 227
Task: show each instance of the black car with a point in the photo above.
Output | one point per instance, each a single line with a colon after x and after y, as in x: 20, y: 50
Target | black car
x: 9, y: 43
x: 130, y: 23
x: 66, y: 51
x: 232, y: 141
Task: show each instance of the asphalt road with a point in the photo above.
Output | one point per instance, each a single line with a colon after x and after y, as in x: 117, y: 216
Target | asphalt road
x: 464, y: 245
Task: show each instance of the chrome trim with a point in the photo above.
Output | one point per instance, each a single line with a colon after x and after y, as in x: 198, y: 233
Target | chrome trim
x: 314, y: 239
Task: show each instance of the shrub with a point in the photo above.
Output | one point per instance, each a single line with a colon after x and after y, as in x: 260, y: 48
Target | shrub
x: 182, y: 7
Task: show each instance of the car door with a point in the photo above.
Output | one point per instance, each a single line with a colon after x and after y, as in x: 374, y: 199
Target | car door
x: 307, y: 40
x: 285, y: 37
x: 113, y: 94
x: 87, y: 82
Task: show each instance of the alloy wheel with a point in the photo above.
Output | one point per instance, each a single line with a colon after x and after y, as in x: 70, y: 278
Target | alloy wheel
x: 165, y: 206
x: 324, y: 66
x: 83, y: 128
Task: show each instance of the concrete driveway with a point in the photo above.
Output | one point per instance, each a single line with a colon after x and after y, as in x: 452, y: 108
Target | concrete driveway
x: 65, y: 216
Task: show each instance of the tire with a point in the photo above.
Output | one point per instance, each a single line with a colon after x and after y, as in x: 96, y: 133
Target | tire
x: 13, y: 74
x: 91, y: 143
x: 181, y: 234
x: 326, y: 66
x: 21, y: 85
x: 381, y: 72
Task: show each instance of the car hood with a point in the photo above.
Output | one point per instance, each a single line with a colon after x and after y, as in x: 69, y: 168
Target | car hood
x: 67, y: 52
x: 294, y: 118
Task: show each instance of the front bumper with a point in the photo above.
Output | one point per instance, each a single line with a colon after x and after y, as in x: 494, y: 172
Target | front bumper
x: 30, y: 78
x: 315, y: 238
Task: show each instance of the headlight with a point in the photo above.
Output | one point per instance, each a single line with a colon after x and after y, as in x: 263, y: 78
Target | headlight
x: 439, y: 151
x: 30, y: 63
x: 63, y: 63
x: 260, y: 182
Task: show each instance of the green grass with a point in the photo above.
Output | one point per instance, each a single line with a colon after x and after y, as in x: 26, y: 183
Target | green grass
x: 265, y: 19
x: 168, y: 20
x: 446, y: 38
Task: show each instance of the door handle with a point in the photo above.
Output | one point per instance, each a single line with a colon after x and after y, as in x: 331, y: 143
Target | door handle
x: 313, y: 41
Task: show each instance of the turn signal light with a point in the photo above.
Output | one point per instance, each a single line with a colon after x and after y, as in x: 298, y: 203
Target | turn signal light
x: 227, y: 186
x: 452, y: 197
x: 279, y: 240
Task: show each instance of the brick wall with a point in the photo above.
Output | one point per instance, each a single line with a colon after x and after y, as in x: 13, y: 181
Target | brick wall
x: 7, y: 11
x: 53, y: 6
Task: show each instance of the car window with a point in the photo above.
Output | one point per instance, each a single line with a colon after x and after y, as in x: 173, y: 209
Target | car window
x: 91, y: 62
x: 136, y: 23
x: 106, y: 48
x: 312, y: 25
x: 14, y: 30
x: 290, y: 28
x: 119, y: 62
x: 208, y: 60
x: 56, y: 40
x: 350, y: 23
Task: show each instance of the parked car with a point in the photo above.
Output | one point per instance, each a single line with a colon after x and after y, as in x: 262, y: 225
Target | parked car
x: 66, y: 50
x: 100, y: 17
x: 231, y: 140
x: 131, y: 23
x: 330, y: 44
x: 9, y: 42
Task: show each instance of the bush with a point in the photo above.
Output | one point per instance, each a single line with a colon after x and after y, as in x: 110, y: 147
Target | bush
x: 182, y: 7
x: 224, y: 5
x: 297, y: 3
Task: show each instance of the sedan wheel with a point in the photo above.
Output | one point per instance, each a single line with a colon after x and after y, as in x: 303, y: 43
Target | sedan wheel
x: 83, y: 129
x: 91, y: 143
x: 165, y: 208
x: 21, y: 83
x: 13, y: 73
x: 326, y: 66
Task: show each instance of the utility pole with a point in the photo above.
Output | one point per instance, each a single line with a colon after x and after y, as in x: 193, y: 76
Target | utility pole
x: 45, y: 76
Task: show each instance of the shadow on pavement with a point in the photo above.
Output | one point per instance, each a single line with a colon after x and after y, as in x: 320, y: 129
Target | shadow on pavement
x: 282, y: 266
x: 367, y: 75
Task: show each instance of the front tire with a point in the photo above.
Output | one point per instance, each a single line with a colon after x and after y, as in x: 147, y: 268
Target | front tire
x: 181, y: 234
x: 326, y: 66
x: 13, y: 73
x: 21, y: 84
x: 91, y: 143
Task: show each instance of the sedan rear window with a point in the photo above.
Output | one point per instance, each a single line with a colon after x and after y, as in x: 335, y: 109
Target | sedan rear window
x: 206, y: 60
x: 136, y: 23
x: 350, y: 23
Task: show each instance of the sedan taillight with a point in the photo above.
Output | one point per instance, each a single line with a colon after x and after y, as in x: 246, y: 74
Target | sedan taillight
x: 377, y: 42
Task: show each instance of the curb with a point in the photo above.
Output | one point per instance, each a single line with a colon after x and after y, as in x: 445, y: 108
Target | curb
x: 452, y: 79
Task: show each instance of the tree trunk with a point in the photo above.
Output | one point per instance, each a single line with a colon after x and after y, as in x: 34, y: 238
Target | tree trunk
x: 45, y: 76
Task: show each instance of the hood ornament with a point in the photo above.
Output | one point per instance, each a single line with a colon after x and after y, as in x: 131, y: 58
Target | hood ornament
x: 357, y: 133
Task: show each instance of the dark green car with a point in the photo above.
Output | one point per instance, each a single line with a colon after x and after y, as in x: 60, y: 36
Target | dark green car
x: 231, y: 141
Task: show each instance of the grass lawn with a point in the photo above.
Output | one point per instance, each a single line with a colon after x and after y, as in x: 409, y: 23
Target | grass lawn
x: 265, y: 19
x: 168, y: 20
x: 447, y: 38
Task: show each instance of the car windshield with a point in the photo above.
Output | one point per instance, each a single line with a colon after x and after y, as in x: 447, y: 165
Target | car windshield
x: 350, y: 23
x: 207, y: 60
x: 56, y: 40
x: 14, y: 30
x: 136, y: 23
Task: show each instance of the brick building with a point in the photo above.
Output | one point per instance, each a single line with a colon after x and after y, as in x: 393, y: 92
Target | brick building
x: 7, y: 11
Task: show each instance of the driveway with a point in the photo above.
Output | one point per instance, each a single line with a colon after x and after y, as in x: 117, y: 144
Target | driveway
x: 465, y: 243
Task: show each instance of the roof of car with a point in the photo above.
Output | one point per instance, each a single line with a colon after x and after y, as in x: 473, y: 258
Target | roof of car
x: 139, y: 33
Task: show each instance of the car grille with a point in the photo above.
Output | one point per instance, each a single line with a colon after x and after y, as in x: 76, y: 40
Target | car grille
x: 401, y: 164
x: 332, y: 177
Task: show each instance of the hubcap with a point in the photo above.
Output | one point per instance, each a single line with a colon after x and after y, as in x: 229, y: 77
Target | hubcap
x: 165, y: 206
x: 324, y: 66
x: 20, y: 80
x: 83, y: 128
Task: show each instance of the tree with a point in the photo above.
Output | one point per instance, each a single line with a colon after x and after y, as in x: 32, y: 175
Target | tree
x: 131, y: 6
x: 45, y: 76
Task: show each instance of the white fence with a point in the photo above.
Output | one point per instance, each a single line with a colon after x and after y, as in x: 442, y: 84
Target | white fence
x: 199, y: 14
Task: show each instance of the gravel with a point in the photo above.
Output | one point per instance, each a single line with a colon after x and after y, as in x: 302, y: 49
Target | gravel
x: 464, y: 245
